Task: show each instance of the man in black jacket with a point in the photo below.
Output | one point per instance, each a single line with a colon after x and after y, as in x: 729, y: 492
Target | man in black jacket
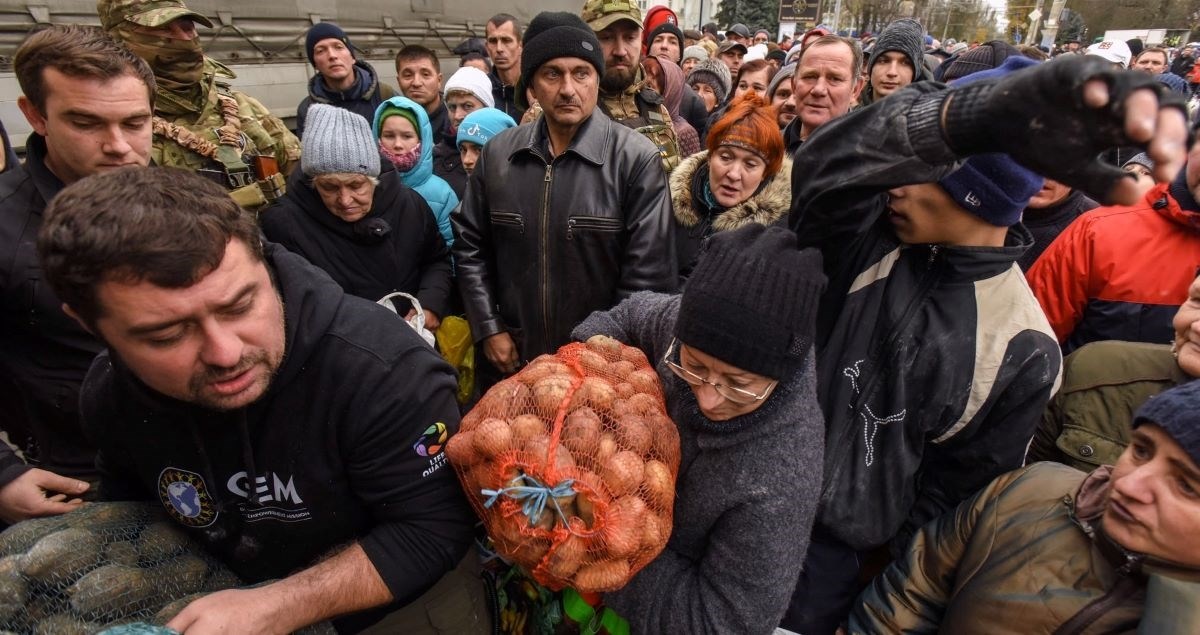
x: 304, y: 445
x: 504, y: 48
x: 935, y: 361
x: 90, y: 103
x: 563, y: 216
x: 342, y: 79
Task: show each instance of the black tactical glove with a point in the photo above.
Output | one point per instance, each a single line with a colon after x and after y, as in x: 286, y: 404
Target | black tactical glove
x: 1038, y: 116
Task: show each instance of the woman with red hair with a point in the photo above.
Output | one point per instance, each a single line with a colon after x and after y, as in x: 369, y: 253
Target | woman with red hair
x: 742, y: 178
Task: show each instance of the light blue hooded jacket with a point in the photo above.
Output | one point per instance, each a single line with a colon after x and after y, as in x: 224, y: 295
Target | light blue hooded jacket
x: 437, y: 192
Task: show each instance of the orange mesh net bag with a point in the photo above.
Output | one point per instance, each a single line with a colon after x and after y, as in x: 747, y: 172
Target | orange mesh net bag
x: 571, y: 464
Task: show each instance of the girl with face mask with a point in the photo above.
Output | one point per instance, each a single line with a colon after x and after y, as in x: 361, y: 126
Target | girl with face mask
x: 406, y: 140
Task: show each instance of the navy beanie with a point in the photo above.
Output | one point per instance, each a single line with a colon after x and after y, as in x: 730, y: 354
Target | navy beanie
x: 993, y: 186
x: 1177, y: 412
x: 554, y: 34
x: 324, y: 31
x: 667, y: 27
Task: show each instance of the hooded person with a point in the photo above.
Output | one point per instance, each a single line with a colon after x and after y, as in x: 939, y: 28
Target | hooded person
x: 743, y: 177
x: 1095, y: 551
x: 711, y: 80
x: 669, y: 79
x: 341, y: 79
x: 476, y: 130
x: 359, y: 224
x: 733, y: 352
x: 779, y: 93
x: 896, y: 60
x: 407, y: 142
x: 468, y: 89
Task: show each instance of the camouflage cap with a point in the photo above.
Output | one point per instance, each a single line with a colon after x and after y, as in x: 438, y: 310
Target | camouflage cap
x: 145, y: 12
x: 600, y: 14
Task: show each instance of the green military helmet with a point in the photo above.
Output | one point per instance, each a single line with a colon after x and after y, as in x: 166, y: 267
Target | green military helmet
x: 600, y: 14
x: 152, y: 13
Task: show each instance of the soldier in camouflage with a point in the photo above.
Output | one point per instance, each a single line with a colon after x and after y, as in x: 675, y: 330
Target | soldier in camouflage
x: 200, y: 122
x: 625, y: 94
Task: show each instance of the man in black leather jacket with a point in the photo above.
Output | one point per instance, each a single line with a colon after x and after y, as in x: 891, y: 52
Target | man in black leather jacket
x: 562, y: 216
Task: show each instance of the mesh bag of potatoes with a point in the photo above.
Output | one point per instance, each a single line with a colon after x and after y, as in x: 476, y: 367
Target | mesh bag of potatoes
x: 571, y: 464
x: 101, y: 565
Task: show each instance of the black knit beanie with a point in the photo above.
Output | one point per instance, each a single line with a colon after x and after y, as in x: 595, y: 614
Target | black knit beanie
x: 554, y: 34
x: 324, y: 31
x: 667, y: 27
x: 751, y: 301
x: 905, y: 35
x: 981, y: 58
x: 1177, y: 412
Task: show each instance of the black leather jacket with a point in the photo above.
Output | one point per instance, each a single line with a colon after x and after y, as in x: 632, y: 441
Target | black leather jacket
x: 541, y: 242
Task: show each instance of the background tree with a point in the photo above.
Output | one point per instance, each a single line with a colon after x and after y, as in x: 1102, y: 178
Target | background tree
x: 756, y: 14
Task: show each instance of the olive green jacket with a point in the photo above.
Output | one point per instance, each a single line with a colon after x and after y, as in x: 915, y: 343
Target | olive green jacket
x: 1086, y: 424
x: 1025, y: 555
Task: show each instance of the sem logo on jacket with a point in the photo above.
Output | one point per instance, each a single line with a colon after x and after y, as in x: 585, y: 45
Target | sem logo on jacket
x: 276, y: 498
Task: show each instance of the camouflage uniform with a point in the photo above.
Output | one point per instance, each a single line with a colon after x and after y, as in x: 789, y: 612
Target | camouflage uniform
x: 201, y: 123
x: 639, y: 106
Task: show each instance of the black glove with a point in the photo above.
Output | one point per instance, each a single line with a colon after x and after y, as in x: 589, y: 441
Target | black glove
x: 1037, y: 115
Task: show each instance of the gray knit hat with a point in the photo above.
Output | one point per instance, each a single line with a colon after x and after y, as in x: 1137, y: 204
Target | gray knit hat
x: 905, y: 35
x: 1177, y: 412
x: 784, y: 75
x: 715, y: 74
x: 695, y: 51
x: 337, y: 141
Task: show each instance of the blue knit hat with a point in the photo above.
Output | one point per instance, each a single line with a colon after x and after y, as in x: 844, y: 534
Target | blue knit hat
x: 481, y: 125
x: 1173, y: 82
x: 324, y: 31
x: 1177, y: 412
x: 993, y: 186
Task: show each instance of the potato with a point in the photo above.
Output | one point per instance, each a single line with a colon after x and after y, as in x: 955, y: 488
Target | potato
x: 594, y: 392
x: 566, y: 557
x: 507, y: 398
x: 622, y: 526
x: 64, y: 625
x: 659, y: 485
x: 606, y: 449
x: 63, y: 556
x: 655, y: 532
x: 593, y: 362
x: 121, y: 553
x: 541, y: 368
x: 622, y: 369
x: 109, y: 589
x: 221, y: 579
x: 601, y: 577
x: 585, y: 509
x: 624, y: 390
x: 528, y: 427
x: 493, y: 437
x: 644, y: 381
x: 550, y: 392
x: 159, y: 541
x: 633, y: 355
x: 13, y: 590
x: 460, y: 449
x: 605, y: 344
x: 632, y: 434
x: 581, y: 430
x: 665, y: 437
x: 623, y: 473
x: 126, y: 513
x: 168, y: 612
x: 18, y: 538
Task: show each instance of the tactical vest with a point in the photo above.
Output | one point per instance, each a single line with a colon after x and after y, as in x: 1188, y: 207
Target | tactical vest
x: 641, y: 108
x: 230, y: 142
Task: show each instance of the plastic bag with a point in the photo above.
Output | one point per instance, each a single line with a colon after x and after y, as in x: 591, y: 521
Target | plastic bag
x: 417, y: 321
x: 571, y: 464
x: 454, y: 342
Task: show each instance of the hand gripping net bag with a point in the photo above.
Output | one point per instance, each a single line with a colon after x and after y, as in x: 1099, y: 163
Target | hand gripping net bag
x: 571, y: 464
x: 100, y: 565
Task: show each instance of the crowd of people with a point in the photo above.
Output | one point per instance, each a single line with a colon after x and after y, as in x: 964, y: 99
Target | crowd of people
x: 856, y: 265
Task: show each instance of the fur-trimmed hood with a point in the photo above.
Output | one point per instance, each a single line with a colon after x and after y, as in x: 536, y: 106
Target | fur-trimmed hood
x: 765, y: 207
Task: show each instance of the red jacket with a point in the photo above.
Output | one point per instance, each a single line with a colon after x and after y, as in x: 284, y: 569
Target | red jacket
x: 1119, y: 273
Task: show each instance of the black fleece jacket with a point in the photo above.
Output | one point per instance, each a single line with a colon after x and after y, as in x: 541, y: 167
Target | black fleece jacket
x: 411, y: 257
x: 345, y: 445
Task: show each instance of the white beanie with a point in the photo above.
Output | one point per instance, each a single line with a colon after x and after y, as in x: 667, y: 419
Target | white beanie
x: 473, y: 81
x: 337, y: 141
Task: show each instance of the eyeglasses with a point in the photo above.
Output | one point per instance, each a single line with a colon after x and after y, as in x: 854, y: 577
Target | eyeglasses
x: 736, y: 395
